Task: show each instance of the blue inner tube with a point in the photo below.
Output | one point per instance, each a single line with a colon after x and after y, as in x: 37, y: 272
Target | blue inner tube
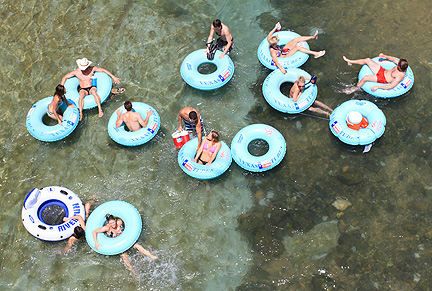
x: 374, y: 115
x: 280, y: 102
x: 294, y: 61
x: 403, y: 87
x: 43, y: 132
x: 215, y: 80
x: 114, y: 245
x: 241, y: 141
x: 139, y: 137
x: 218, y: 167
x: 104, y: 86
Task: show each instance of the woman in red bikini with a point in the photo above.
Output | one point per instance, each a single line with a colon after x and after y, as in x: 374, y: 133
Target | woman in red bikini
x: 208, y: 150
x: 290, y: 48
x: 391, y: 77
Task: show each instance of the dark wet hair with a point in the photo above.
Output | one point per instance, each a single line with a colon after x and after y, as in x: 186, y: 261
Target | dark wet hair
x: 110, y: 217
x: 78, y: 232
x: 217, y: 23
x: 60, y: 91
x: 193, y: 115
x: 128, y: 105
x: 215, y: 135
x: 403, y: 64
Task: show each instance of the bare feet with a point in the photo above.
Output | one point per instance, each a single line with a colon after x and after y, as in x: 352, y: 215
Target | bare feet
x: 320, y: 54
x: 100, y: 113
x: 351, y: 90
x: 347, y: 60
x: 80, y: 116
x: 316, y: 35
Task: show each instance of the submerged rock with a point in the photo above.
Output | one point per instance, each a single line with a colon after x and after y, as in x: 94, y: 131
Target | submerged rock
x: 341, y: 204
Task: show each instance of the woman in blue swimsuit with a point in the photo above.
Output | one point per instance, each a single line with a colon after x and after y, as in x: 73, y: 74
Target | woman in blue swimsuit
x: 208, y: 150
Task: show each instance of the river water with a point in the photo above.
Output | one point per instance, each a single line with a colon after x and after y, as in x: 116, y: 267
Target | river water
x: 275, y: 230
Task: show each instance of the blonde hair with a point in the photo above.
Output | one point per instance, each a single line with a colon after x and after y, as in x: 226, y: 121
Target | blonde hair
x: 274, y: 40
x: 301, y: 79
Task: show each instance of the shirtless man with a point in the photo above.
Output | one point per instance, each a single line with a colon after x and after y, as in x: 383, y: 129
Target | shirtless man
x: 84, y: 72
x: 192, y: 120
x: 132, y: 119
x: 391, y: 77
x: 225, y: 40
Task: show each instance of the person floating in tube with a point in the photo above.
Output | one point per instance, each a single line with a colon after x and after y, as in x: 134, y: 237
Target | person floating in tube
x: 290, y: 48
x: 298, y: 88
x: 133, y: 120
x: 114, y: 228
x: 208, y: 150
x: 391, y: 78
x: 84, y: 73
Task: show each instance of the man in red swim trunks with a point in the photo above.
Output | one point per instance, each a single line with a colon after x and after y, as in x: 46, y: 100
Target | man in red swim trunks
x: 390, y: 77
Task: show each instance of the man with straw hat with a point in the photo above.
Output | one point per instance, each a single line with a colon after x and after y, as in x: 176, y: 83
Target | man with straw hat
x: 84, y: 72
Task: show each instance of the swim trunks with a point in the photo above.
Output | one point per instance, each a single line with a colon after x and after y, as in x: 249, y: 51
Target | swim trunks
x: 87, y: 89
x: 380, y: 76
x: 190, y: 126
x: 221, y: 43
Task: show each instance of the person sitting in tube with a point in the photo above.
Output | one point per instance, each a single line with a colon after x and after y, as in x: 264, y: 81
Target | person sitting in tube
x: 298, y: 88
x: 79, y: 230
x: 290, y: 48
x: 114, y: 228
x: 355, y: 120
x: 53, y: 110
x: 84, y: 72
x: 389, y: 78
x: 208, y: 150
x: 133, y: 120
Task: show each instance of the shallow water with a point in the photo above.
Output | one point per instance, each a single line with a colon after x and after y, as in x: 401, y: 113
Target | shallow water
x: 273, y: 230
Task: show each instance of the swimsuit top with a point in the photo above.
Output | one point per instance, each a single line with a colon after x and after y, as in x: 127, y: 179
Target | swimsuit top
x: 279, y: 50
x: 212, y: 150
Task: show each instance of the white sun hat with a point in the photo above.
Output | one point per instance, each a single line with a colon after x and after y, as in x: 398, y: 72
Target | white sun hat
x: 83, y: 63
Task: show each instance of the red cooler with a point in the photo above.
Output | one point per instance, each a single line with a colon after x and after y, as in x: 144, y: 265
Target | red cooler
x: 180, y: 138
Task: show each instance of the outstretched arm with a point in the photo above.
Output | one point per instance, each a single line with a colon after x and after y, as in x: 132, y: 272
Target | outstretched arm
x: 67, y: 76
x: 210, y: 37
x: 390, y: 58
x: 78, y: 217
x: 393, y: 84
x: 115, y: 79
x: 270, y: 34
x: 96, y: 231
x: 70, y: 242
x: 145, y: 122
x: 179, y: 120
x: 198, y: 130
x: 198, y: 153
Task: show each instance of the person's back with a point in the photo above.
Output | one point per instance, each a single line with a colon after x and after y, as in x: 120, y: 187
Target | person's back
x: 131, y: 119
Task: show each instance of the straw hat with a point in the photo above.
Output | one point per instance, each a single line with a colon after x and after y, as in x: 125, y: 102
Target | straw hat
x: 354, y: 117
x: 83, y: 63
